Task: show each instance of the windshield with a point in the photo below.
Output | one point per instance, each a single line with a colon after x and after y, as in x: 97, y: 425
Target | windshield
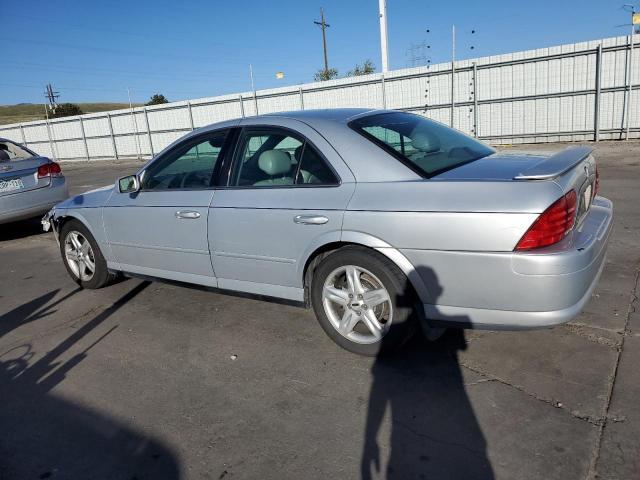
x: 425, y: 146
x: 11, y: 151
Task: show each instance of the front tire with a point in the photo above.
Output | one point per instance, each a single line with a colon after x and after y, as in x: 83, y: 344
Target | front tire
x: 82, y: 257
x: 363, y: 301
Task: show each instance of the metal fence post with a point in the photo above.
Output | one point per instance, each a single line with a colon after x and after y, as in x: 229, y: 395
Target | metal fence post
x: 24, y: 139
x: 301, y: 98
x: 384, y: 92
x: 475, y: 99
x: 51, y: 141
x: 241, y: 105
x: 596, y: 100
x: 190, y: 116
x: 255, y: 101
x: 113, y: 138
x: 629, y: 105
x: 84, y: 139
x: 146, y: 119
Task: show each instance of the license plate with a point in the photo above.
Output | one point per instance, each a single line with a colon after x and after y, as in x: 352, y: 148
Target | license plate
x: 11, y: 185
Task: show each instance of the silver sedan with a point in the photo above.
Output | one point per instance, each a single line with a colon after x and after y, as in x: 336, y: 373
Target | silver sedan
x: 381, y: 221
x: 29, y: 184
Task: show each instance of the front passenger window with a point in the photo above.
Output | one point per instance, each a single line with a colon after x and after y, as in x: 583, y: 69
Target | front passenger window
x: 190, y: 166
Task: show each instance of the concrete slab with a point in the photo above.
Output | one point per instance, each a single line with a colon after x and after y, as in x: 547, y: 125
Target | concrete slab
x: 148, y: 380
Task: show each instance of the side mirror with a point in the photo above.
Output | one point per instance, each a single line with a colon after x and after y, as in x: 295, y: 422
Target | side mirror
x: 129, y: 184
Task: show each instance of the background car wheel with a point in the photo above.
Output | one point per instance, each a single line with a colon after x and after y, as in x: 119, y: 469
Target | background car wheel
x: 82, y: 256
x: 363, y: 301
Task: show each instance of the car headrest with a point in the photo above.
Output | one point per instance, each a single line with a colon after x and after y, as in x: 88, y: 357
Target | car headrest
x: 425, y: 141
x: 4, y: 156
x: 274, y: 162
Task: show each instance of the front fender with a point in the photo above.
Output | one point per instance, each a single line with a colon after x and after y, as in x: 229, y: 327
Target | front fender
x: 91, y: 218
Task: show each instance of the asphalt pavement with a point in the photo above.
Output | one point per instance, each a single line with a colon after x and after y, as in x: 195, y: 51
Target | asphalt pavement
x: 148, y: 380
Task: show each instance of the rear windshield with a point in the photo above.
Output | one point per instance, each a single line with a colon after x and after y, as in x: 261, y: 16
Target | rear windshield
x: 425, y: 146
x: 12, y: 151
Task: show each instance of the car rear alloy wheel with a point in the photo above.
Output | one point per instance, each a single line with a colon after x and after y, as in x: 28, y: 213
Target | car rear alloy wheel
x: 79, y: 255
x: 363, y: 301
x: 357, y: 304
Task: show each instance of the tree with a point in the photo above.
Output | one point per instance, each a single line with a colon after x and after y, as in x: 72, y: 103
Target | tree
x: 366, y: 68
x: 322, y: 75
x: 65, y: 110
x: 157, y: 99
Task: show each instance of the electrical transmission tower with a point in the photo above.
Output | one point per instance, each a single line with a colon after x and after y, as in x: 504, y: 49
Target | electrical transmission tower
x: 417, y: 54
x: 52, y: 97
x: 323, y: 25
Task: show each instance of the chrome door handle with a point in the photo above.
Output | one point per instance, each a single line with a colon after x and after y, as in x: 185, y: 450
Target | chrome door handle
x: 187, y: 214
x: 310, y: 219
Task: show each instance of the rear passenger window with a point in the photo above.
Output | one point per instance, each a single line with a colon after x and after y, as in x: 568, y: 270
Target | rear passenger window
x: 313, y: 169
x: 276, y: 158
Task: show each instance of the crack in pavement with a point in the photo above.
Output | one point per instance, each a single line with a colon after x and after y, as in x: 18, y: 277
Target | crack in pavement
x: 595, y: 327
x: 579, y: 330
x: 597, y: 421
x: 595, y: 455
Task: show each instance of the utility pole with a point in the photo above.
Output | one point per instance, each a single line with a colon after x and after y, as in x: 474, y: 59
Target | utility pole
x: 134, y: 123
x: 629, y: 104
x: 52, y: 97
x: 253, y: 89
x: 453, y: 71
x: 323, y: 25
x: 384, y: 40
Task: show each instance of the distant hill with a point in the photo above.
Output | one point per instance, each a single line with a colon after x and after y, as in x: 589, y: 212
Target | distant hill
x: 25, y: 112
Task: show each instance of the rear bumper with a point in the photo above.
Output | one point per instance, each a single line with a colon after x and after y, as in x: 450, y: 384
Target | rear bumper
x: 32, y: 203
x: 517, y: 290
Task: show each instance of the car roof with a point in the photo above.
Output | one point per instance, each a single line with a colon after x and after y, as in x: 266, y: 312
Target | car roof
x: 337, y: 115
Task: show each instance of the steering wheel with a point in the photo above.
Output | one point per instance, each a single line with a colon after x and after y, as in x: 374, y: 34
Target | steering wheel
x: 187, y: 176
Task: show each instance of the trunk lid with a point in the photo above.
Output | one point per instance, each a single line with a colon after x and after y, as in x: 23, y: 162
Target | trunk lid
x: 573, y: 168
x: 17, y: 176
x: 499, y: 166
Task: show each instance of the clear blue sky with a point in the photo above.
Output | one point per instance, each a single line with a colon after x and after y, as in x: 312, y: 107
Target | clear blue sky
x: 93, y: 50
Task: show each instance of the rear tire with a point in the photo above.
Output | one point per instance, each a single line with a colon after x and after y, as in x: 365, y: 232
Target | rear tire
x: 82, y: 257
x: 363, y: 301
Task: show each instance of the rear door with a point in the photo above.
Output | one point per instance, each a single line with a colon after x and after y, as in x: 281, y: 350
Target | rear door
x: 285, y: 195
x: 161, y: 230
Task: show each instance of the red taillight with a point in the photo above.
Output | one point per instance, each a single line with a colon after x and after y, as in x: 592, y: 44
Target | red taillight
x: 51, y: 169
x: 552, y: 225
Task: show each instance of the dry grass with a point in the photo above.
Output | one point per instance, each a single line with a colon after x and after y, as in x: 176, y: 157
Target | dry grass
x: 25, y: 112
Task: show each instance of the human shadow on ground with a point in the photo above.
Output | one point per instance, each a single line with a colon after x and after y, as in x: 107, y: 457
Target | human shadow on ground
x: 45, y: 435
x: 434, y: 433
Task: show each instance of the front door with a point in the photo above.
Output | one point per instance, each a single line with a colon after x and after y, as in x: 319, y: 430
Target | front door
x: 161, y: 230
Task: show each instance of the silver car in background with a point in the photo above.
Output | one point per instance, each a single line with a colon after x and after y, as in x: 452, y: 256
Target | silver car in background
x: 379, y: 220
x: 29, y: 184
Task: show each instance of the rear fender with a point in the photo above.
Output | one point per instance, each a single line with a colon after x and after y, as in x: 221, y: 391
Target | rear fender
x: 392, y: 254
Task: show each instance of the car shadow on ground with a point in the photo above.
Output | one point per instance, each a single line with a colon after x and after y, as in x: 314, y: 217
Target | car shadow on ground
x: 22, y: 229
x: 47, y: 436
x: 434, y: 431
